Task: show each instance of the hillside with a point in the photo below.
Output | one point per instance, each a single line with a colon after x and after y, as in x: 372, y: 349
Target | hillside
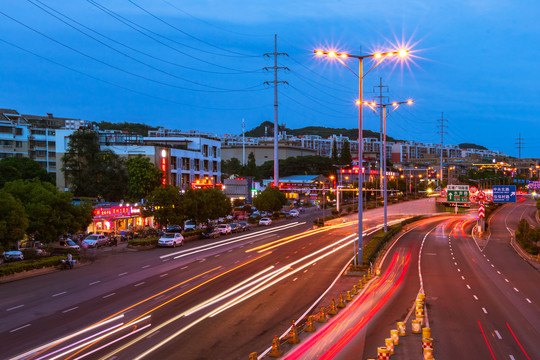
x: 471, y: 146
x: 325, y: 132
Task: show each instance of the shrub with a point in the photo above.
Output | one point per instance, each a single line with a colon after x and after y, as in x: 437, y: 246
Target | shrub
x: 143, y: 241
x: 12, y: 268
x: 334, y: 212
x: 192, y: 233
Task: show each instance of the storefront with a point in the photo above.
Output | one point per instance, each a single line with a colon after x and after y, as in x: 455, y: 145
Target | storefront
x: 115, y: 219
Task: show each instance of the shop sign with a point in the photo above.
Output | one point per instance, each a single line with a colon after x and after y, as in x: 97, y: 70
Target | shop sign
x: 114, y: 211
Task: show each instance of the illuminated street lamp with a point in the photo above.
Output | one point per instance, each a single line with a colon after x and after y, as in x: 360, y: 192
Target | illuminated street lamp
x: 380, y: 57
x: 374, y: 107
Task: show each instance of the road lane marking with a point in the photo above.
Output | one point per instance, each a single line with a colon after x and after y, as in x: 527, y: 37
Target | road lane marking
x: 462, y: 277
x: 122, y: 274
x: 94, y: 283
x: 455, y: 263
x: 506, y: 280
x: 459, y: 270
x: 163, y: 275
x: 145, y: 266
x: 60, y: 293
x: 498, y: 272
x: 184, y: 268
x: 152, y: 334
x: 468, y: 287
x: 484, y: 310
x: 19, y: 306
x: 202, y: 260
x: 159, y: 297
x: 487, y: 259
x: 498, y: 335
x: 106, y: 296
x: 512, y: 357
x: 529, y: 301
x: 295, y: 279
x: 68, y: 310
x: 139, y: 284
x: 516, y: 290
x: 166, y: 260
x: 230, y: 250
x: 218, y: 255
x: 19, y: 328
x: 305, y: 271
x: 475, y: 297
x: 492, y: 265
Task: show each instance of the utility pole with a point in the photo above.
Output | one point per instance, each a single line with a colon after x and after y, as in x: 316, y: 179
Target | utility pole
x: 382, y: 100
x: 519, y: 146
x: 442, y: 126
x: 275, y: 82
x: 243, y: 142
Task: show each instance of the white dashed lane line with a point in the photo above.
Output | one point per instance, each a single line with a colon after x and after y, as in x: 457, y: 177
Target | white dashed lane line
x: 145, y: 266
x: 109, y: 295
x: 94, y: 283
x: 60, y: 293
x: 498, y: 272
x: 184, y: 268
x: 529, y: 301
x: 20, y: 306
x: 139, y: 284
x: 68, y: 310
x: 468, y: 287
x: 506, y: 280
x: 484, y: 310
x: 462, y: 277
x: 516, y: 290
x: 498, y: 335
x: 163, y: 275
x: 475, y: 297
x: 19, y: 328
x: 122, y: 274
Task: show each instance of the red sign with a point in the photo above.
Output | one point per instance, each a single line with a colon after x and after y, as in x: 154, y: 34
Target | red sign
x: 481, y: 195
x: 443, y: 193
x: 481, y: 211
x: 164, y: 170
x: 489, y: 198
x: 473, y: 189
x: 472, y: 198
x: 114, y: 211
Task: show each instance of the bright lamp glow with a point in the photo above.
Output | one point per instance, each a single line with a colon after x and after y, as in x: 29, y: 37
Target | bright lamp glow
x: 394, y: 103
x: 389, y: 53
x: 409, y: 102
x: 344, y: 55
x: 403, y: 52
x: 377, y: 56
x: 331, y: 54
x: 319, y: 52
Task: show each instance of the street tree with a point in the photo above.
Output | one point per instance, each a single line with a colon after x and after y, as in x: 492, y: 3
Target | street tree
x: 334, y: 152
x: 166, y: 205
x: 13, y: 220
x: 345, y: 157
x: 271, y: 199
x: 93, y: 172
x: 202, y: 205
x: 143, y: 177
x: 231, y: 166
x: 50, y: 213
x: 251, y: 167
x: 15, y: 168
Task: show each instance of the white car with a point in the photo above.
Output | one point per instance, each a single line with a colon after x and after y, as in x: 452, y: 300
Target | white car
x: 13, y: 255
x: 294, y: 213
x: 224, y: 229
x: 171, y: 240
x: 95, y: 241
x: 265, y: 221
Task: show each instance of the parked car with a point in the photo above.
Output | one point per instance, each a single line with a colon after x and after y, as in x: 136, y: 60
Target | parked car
x: 171, y: 239
x: 225, y: 228
x: 13, y: 255
x: 265, y: 221
x: 174, y: 228
x: 210, y: 232
x: 190, y: 225
x: 244, y: 225
x: 95, y: 241
x: 235, y: 227
x: 65, y: 244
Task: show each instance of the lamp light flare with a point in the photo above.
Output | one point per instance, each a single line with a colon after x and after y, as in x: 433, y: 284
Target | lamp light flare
x: 394, y: 103
x: 373, y: 104
x: 389, y: 53
x: 344, y: 55
x: 319, y: 52
x: 409, y: 102
x: 403, y: 52
x: 331, y: 54
x: 377, y: 55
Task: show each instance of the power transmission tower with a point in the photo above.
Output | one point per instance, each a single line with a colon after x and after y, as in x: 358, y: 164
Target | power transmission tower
x: 382, y: 170
x: 519, y: 146
x: 442, y: 132
x: 275, y: 82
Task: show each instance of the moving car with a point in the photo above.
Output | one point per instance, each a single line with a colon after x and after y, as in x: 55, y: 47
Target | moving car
x: 171, y: 239
x: 225, y: 228
x: 95, y: 241
x: 235, y: 227
x: 210, y: 232
x: 294, y: 213
x: 265, y: 221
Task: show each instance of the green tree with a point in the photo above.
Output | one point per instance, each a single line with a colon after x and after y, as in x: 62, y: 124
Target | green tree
x: 143, y: 177
x: 91, y: 172
x: 345, y: 157
x: 166, y: 205
x: 334, y: 152
x: 202, y: 205
x: 50, y: 212
x: 16, y: 168
x: 231, y: 167
x: 13, y: 220
x: 251, y: 167
x: 271, y: 199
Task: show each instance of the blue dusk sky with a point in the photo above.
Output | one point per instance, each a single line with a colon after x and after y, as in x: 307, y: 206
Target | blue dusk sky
x: 197, y: 65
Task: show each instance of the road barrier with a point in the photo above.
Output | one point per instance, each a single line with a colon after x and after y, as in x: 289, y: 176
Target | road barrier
x: 348, y: 298
x: 401, y: 328
x: 427, y: 343
x: 389, y: 343
x: 293, y: 335
x: 340, y: 304
x: 426, y: 332
x: 378, y: 272
x: 309, y: 326
x: 253, y: 356
x: 354, y: 290
x: 332, y: 310
x: 428, y: 354
x: 383, y: 353
x: 276, y: 351
x: 416, y: 327
x: 322, y: 315
x: 395, y: 336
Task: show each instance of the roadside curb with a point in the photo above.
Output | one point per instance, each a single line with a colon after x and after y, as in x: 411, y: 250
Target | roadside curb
x: 36, y: 272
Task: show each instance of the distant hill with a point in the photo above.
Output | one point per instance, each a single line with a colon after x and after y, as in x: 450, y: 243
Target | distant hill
x: 325, y: 132
x: 471, y: 146
x: 137, y: 128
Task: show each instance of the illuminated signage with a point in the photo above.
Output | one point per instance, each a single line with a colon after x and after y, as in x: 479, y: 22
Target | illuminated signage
x: 116, y: 211
x: 206, y: 184
x: 164, y: 167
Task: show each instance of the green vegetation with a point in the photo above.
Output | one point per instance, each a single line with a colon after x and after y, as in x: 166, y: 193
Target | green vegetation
x: 137, y: 128
x: 471, y: 146
x: 143, y: 241
x: 15, y: 168
x: 143, y: 177
x: 271, y: 199
x: 528, y: 237
x: 166, y: 205
x: 12, y: 268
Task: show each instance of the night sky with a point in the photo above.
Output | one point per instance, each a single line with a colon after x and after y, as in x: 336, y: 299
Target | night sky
x: 197, y: 65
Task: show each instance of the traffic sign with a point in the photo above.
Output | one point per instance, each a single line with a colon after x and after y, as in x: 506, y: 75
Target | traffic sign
x: 472, y: 198
x: 473, y: 189
x: 489, y: 198
x: 443, y: 193
x: 481, y: 195
x: 534, y: 185
x: 504, y: 193
x: 458, y: 193
x: 481, y: 211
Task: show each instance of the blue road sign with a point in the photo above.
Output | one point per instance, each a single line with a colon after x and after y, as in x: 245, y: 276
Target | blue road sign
x: 504, y: 193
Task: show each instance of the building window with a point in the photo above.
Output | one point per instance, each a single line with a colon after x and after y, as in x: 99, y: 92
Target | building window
x: 197, y: 165
x: 214, y: 151
x: 214, y: 166
x: 185, y: 164
x: 206, y: 165
x: 205, y: 150
x: 173, y: 165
